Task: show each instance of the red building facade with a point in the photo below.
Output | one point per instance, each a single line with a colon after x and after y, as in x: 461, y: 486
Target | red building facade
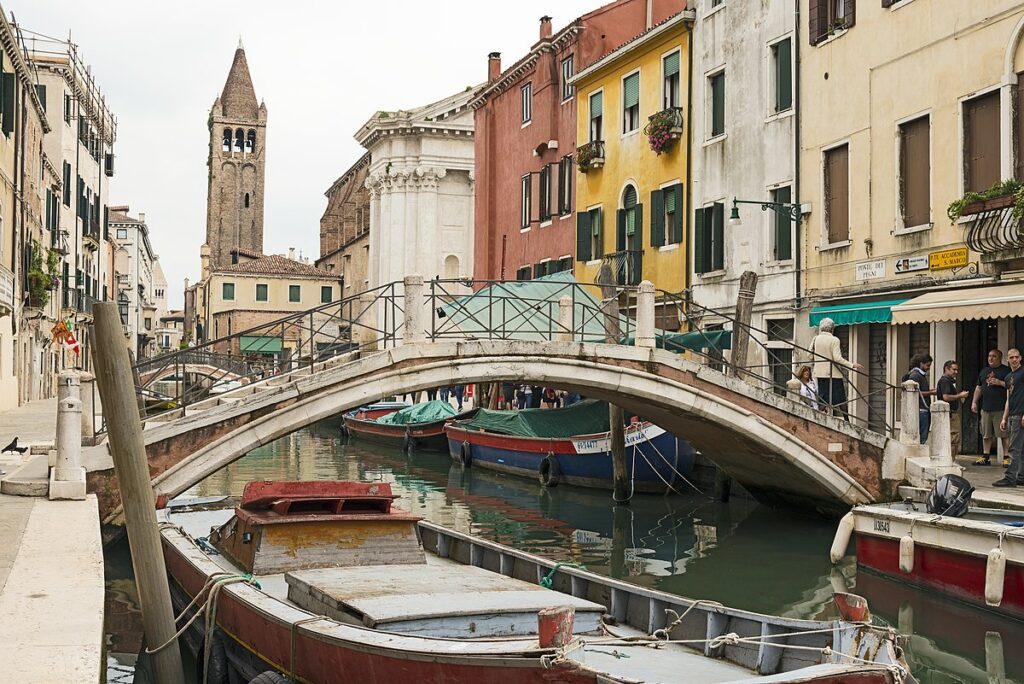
x: 525, y: 142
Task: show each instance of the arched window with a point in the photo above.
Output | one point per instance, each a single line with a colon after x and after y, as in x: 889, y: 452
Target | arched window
x: 451, y: 267
x: 226, y: 145
x: 629, y: 197
x: 246, y: 200
x: 629, y: 238
x: 239, y: 139
x: 250, y: 142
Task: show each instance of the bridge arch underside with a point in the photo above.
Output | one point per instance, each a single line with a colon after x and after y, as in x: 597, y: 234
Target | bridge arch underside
x: 776, y: 449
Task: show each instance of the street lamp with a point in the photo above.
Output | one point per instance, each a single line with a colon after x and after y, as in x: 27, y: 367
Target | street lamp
x: 793, y: 211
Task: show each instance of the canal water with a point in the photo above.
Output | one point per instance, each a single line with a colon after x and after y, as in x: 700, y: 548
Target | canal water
x: 741, y: 554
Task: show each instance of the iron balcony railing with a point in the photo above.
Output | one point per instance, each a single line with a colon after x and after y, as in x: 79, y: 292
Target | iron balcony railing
x: 590, y: 155
x: 627, y: 265
x: 993, y: 230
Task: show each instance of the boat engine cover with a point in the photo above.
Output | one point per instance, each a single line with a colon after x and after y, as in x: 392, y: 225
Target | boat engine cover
x: 950, y: 496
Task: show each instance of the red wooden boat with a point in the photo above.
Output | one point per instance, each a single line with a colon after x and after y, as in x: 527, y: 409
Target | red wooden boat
x: 325, y: 582
x: 365, y: 423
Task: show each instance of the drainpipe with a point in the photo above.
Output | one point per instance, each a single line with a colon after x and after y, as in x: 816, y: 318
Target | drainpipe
x: 798, y: 243
x: 689, y: 157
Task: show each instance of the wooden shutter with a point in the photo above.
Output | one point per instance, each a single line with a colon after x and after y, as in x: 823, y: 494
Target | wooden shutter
x: 638, y: 225
x: 783, y: 75
x: 849, y: 12
x: 817, y: 21
x: 699, y: 242
x: 597, y: 229
x: 538, y: 269
x: 837, y: 199
x: 718, y: 104
x: 583, y: 236
x: 676, y: 235
x: 620, y: 230
x: 1018, y: 126
x: 7, y: 85
x: 657, y: 218
x: 915, y: 165
x: 717, y: 236
x: 783, y: 226
x: 981, y: 137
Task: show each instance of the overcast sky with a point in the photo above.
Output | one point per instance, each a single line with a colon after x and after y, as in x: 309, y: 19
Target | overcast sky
x: 322, y: 67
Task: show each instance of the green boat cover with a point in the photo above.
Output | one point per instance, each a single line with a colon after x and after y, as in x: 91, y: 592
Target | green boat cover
x: 584, y: 418
x: 427, y: 412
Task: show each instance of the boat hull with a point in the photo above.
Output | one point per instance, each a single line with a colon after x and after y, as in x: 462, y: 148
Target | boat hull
x: 655, y: 459
x: 420, y: 436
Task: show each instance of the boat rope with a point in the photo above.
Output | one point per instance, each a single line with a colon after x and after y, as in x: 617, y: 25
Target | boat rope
x: 547, y: 580
x: 293, y: 631
x: 636, y: 450
x: 666, y: 631
x: 211, y: 612
x: 673, y: 468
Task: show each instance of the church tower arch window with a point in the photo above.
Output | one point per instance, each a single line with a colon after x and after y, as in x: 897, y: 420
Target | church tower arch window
x: 239, y: 139
x: 226, y: 144
x: 250, y: 142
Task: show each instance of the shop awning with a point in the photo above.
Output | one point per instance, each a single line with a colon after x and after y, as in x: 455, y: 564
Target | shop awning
x: 260, y: 345
x: 967, y: 304
x: 851, y: 314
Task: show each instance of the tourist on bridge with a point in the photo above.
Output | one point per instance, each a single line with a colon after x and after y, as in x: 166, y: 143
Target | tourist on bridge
x: 828, y: 365
x: 920, y: 364
x: 946, y: 390
x: 1013, y: 415
x: 990, y: 396
x: 808, y: 389
x: 459, y: 391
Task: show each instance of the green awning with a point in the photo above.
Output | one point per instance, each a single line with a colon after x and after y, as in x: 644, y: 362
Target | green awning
x: 261, y: 345
x: 851, y: 314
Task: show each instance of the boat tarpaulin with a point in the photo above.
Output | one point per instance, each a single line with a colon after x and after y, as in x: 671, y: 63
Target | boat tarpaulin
x: 967, y: 304
x: 583, y: 418
x: 696, y: 340
x: 852, y: 314
x: 427, y: 412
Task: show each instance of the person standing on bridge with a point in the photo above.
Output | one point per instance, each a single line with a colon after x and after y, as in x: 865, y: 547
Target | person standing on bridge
x: 946, y: 390
x: 990, y: 396
x: 828, y: 365
x: 920, y: 364
x: 1013, y: 421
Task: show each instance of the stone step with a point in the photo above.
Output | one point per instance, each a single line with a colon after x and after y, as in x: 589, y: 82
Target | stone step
x: 29, y: 479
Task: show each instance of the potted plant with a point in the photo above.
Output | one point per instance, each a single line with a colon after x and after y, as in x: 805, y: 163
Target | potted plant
x: 663, y: 129
x: 1003, y: 194
x: 42, y: 279
x: 590, y: 156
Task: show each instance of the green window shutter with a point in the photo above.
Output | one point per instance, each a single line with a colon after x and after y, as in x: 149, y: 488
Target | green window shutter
x: 326, y: 294
x: 262, y: 294
x: 583, y: 228
x: 596, y: 105
x: 294, y: 293
x: 783, y: 76
x: 595, y: 222
x: 676, y: 193
x: 228, y: 291
x: 620, y: 230
x: 638, y: 224
x: 538, y: 269
x: 631, y: 91
x: 718, y: 104
x: 7, y: 85
x: 718, y: 237
x: 41, y: 94
x: 783, y: 227
x: 597, y: 228
x: 658, y: 207
x: 699, y: 242
x: 671, y: 64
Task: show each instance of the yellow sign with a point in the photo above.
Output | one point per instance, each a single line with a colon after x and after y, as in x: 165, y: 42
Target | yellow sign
x: 947, y: 258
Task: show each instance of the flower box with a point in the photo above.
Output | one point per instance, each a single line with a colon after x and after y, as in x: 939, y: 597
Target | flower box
x: 993, y: 204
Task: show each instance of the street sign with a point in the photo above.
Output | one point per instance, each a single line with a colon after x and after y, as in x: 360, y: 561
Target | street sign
x: 947, y: 258
x: 908, y: 264
x: 866, y: 270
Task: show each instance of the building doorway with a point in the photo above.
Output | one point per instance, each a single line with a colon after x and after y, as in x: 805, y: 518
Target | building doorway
x: 974, y: 340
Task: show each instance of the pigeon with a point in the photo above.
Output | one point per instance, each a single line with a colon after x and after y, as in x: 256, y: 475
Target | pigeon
x: 13, y: 446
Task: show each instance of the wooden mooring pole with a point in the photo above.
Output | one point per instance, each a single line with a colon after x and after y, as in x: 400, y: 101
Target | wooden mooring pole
x: 621, y: 493
x: 117, y: 392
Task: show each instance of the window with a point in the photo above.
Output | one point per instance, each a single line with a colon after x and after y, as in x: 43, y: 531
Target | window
x: 597, y: 116
x: 545, y: 193
x: 527, y: 102
x: 122, y: 233
x: 523, y: 273
x: 829, y: 16
x: 667, y: 216
x: 250, y: 141
x: 631, y: 103
x: 564, y: 264
x: 981, y: 142
x: 568, y: 71
x: 543, y: 268
x: 782, y: 225
x: 147, y: 323
x: 261, y: 292
x: 915, y: 173
x: 239, y: 140
x: 66, y: 190
x: 41, y: 94
x: 589, y: 235
x: 837, y: 194
x: 670, y: 80
x: 67, y: 109
x: 245, y: 200
x: 565, y: 174
x: 780, y: 352
x: 716, y: 106
x: 226, y: 142
x: 526, y: 210
x: 326, y: 294
x: 782, y: 75
x: 294, y: 293
x: 709, y: 238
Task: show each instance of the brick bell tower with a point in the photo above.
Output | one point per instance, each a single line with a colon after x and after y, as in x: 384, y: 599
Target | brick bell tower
x: 234, y: 204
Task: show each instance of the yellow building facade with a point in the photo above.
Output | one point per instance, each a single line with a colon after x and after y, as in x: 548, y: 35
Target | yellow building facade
x: 632, y: 159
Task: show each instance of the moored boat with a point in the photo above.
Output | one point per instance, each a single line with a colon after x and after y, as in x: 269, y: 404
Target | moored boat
x: 420, y: 426
x: 568, y: 445
x: 325, y: 582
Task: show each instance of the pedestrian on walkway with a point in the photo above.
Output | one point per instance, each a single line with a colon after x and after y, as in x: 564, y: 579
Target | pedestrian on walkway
x: 536, y: 394
x: 432, y: 394
x: 808, y: 389
x: 920, y: 364
x: 459, y: 392
x: 508, y: 395
x: 523, y: 396
x: 990, y: 397
x: 828, y: 365
x: 445, y: 391
x: 1013, y: 415
x: 946, y: 390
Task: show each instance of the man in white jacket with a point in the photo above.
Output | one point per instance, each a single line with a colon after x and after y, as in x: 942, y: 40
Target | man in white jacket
x: 828, y: 364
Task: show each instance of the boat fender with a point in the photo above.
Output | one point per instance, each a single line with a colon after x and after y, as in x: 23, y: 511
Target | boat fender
x: 549, y: 471
x: 217, y: 665
x: 842, y: 539
x: 270, y: 677
x: 466, y: 455
x: 995, y: 572
x: 906, y: 554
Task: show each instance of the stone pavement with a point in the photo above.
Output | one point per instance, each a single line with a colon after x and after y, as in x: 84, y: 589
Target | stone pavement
x: 51, y: 590
x: 32, y: 423
x: 982, y: 477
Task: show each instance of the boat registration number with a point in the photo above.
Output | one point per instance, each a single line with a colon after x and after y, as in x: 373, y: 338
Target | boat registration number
x: 882, y: 526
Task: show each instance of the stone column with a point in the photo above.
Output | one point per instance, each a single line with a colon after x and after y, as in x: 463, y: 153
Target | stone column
x: 69, y: 425
x: 645, y: 315
x: 938, y: 435
x: 413, y: 308
x: 910, y: 428
x: 565, y: 319
x: 365, y: 321
x: 88, y: 396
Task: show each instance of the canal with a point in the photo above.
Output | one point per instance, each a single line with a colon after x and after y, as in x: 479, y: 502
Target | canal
x: 741, y: 554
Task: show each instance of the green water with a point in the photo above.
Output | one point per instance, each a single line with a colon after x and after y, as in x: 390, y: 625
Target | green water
x: 741, y: 554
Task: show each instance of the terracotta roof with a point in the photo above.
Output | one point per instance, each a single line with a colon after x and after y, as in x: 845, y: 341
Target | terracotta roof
x: 273, y: 264
x: 118, y: 217
x: 627, y: 44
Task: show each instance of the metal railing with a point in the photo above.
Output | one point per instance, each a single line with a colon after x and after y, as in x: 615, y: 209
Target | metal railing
x: 993, y: 231
x: 590, y: 155
x: 627, y: 265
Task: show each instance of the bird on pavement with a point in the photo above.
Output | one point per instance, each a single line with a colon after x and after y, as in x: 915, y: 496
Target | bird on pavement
x: 13, y: 446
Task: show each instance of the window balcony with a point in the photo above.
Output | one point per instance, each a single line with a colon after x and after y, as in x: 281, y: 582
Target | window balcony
x: 664, y: 128
x: 992, y: 231
x: 590, y: 156
x: 627, y: 266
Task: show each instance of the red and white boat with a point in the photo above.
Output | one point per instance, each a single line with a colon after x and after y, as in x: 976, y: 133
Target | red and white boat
x: 325, y: 582
x: 978, y: 558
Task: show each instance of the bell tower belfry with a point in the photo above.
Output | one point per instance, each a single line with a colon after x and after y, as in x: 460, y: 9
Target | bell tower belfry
x: 237, y: 160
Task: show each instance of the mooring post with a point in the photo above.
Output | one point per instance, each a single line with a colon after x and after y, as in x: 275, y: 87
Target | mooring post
x: 939, y: 439
x: 910, y: 428
x: 616, y: 417
x: 565, y: 322
x: 645, y: 315
x: 67, y: 479
x: 413, y: 308
x: 124, y: 429
x: 88, y: 397
x: 741, y: 328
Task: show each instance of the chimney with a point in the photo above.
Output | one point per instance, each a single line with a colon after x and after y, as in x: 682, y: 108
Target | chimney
x: 186, y: 283
x: 545, y: 27
x: 291, y: 253
x: 493, y: 66
x: 650, y: 14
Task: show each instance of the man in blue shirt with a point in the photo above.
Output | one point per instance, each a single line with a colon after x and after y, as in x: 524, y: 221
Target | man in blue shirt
x: 990, y: 398
x: 1013, y: 420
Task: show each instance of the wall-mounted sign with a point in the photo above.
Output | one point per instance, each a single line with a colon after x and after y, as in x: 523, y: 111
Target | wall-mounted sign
x: 947, y: 258
x: 908, y: 264
x: 868, y: 270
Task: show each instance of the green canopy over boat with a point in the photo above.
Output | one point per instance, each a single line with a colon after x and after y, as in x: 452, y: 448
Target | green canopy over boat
x: 587, y: 417
x: 427, y: 412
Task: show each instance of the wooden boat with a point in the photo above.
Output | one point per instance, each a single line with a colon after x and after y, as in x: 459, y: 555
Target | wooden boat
x: 978, y: 558
x: 656, y: 459
x: 364, y: 423
x: 325, y: 582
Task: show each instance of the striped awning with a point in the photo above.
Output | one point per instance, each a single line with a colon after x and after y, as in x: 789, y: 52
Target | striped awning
x: 966, y: 304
